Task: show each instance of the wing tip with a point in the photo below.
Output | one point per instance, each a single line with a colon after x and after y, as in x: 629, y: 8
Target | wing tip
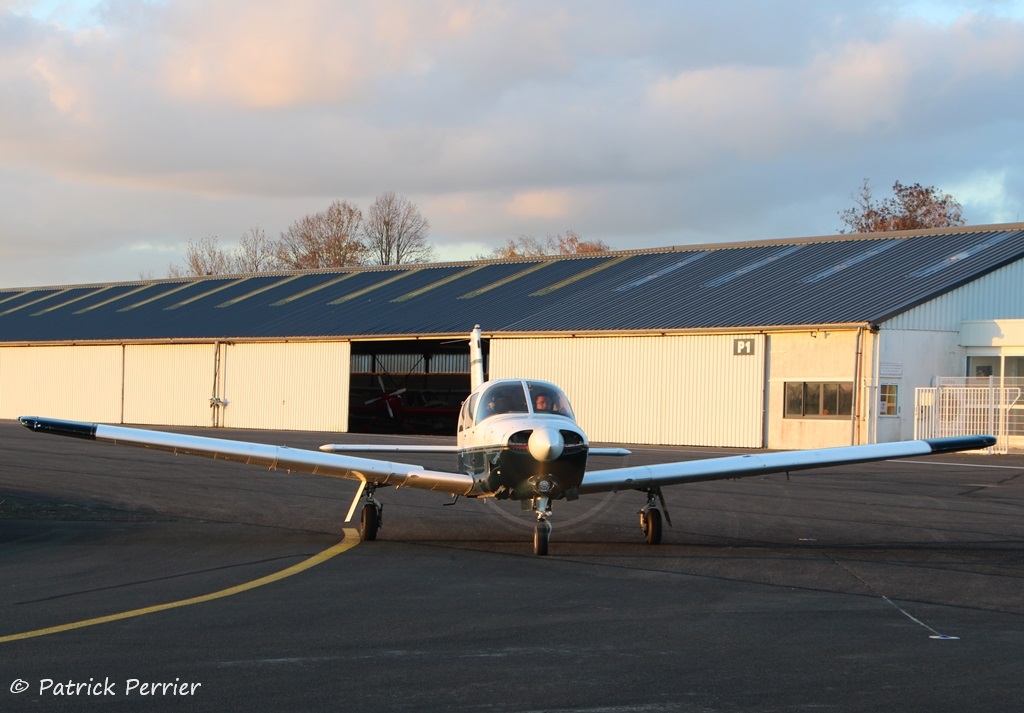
x: 57, y: 427
x: 952, y: 444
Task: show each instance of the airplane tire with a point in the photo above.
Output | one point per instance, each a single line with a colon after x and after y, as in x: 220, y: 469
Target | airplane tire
x: 541, y: 535
x: 652, y: 526
x: 370, y: 523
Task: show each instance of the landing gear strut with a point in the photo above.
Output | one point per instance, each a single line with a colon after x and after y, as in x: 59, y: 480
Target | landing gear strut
x: 650, y: 517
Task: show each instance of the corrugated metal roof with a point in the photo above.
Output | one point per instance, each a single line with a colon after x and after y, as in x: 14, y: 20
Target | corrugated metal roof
x: 849, y: 279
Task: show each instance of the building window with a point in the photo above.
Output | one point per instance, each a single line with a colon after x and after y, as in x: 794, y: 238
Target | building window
x: 816, y: 399
x: 983, y: 366
x: 888, y: 397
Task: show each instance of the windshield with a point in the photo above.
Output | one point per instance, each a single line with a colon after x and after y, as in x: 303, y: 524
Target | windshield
x: 502, y: 397
x: 548, y: 398
x: 539, y: 397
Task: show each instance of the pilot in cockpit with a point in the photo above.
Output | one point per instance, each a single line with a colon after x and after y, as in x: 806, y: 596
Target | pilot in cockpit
x: 542, y: 402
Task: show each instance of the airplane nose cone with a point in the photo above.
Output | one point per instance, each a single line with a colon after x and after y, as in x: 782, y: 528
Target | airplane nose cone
x: 546, y: 444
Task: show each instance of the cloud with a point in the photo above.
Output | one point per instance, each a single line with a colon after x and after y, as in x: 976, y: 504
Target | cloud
x: 155, y: 123
x: 989, y: 192
x: 539, y: 204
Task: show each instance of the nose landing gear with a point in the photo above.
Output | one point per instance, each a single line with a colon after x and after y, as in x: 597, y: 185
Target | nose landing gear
x: 541, y: 535
x: 542, y: 532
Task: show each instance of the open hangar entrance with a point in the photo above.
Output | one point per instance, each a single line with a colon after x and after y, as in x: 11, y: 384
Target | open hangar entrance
x: 413, y: 386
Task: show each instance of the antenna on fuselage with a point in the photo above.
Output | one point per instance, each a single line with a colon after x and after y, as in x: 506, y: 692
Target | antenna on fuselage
x: 476, y: 359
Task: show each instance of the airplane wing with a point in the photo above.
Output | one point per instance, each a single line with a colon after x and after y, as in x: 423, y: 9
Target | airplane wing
x: 603, y: 451
x: 368, y: 470
x: 644, y: 477
x: 393, y: 448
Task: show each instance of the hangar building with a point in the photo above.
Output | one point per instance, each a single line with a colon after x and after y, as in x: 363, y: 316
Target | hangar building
x: 780, y: 344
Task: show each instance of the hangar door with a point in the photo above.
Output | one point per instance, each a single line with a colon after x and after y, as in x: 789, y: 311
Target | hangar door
x: 169, y: 384
x: 288, y: 386
x: 699, y: 390
x: 74, y: 382
x: 299, y: 386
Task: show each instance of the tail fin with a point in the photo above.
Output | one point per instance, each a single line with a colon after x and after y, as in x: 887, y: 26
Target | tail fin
x: 476, y: 359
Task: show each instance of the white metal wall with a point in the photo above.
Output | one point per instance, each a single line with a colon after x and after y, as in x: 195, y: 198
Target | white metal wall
x: 679, y: 389
x: 998, y: 295
x: 73, y: 382
x: 294, y: 385
x: 169, y: 384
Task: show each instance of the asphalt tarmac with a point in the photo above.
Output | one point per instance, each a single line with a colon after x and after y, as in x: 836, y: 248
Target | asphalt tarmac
x: 137, y: 580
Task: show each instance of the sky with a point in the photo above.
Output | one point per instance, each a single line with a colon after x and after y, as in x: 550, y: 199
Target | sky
x: 129, y: 128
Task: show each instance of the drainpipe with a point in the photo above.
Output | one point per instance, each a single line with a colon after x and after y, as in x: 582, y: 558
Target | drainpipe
x: 215, y: 402
x: 876, y: 386
x: 124, y: 355
x: 855, y: 420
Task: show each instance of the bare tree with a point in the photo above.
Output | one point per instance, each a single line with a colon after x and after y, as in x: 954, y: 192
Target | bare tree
x: 327, y: 239
x: 569, y: 243
x: 255, y: 252
x: 202, y: 257
x: 523, y: 246
x: 910, y: 208
x: 572, y: 244
x: 396, y: 232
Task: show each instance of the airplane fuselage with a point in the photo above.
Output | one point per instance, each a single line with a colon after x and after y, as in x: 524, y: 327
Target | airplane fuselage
x: 519, y: 440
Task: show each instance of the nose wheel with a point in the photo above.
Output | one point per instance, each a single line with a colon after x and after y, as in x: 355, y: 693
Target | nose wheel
x: 542, y: 532
x: 541, y: 535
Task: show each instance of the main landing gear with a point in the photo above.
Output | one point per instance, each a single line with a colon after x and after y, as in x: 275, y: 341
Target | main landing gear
x: 650, y: 517
x: 372, y: 518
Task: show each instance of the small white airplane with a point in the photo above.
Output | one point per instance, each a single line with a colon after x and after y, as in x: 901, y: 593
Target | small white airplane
x: 517, y: 439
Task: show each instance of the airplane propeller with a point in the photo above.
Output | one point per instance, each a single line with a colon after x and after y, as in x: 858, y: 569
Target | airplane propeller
x: 385, y: 396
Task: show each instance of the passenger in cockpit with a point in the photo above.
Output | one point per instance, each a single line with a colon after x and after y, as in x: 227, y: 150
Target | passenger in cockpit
x: 507, y: 397
x: 498, y: 404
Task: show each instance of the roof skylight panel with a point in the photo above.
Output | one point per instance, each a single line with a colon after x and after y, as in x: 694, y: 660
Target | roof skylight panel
x: 746, y: 269
x: 662, y: 272
x: 851, y: 261
x: 993, y: 239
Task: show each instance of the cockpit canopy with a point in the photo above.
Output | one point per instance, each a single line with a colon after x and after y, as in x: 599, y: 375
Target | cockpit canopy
x: 537, y: 397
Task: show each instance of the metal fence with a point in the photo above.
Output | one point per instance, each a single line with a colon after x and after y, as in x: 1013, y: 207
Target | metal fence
x: 957, y: 408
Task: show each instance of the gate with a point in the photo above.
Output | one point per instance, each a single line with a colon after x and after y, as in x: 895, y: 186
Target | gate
x: 954, y: 410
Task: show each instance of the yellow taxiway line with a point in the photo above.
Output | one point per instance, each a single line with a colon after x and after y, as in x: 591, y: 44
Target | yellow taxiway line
x: 351, y: 540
